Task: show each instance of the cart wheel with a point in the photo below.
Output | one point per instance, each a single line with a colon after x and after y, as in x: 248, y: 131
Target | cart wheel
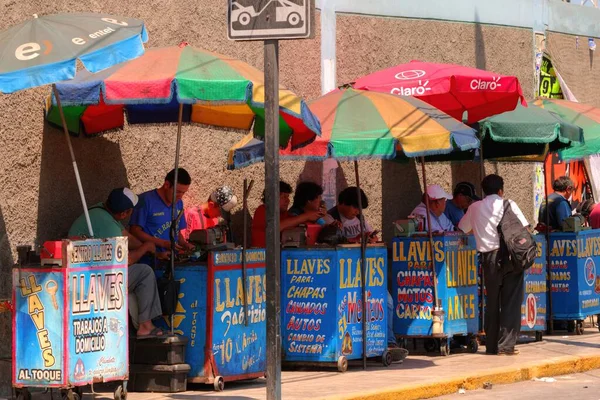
x: 120, y: 393
x: 219, y: 384
x: 444, y: 348
x: 430, y: 345
x: 70, y: 395
x: 23, y: 394
x: 473, y: 345
x: 579, y: 328
x: 386, y: 358
x: 538, y: 336
x: 342, y: 364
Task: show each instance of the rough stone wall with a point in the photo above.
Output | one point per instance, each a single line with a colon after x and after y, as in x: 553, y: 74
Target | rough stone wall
x: 39, y: 197
x: 575, y: 63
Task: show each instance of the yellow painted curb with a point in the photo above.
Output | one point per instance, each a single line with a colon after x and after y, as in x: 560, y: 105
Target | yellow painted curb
x: 560, y: 366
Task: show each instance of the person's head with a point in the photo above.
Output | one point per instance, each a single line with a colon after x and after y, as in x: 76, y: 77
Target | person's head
x: 464, y: 195
x: 585, y: 208
x: 285, y: 190
x: 308, y: 196
x: 120, y: 203
x: 183, y: 184
x: 221, y: 199
x: 437, y: 199
x: 563, y: 185
x: 493, y: 184
x: 348, y: 202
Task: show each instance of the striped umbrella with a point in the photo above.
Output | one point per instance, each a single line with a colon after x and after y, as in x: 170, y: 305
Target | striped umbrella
x: 211, y: 88
x: 583, y: 115
x: 359, y: 124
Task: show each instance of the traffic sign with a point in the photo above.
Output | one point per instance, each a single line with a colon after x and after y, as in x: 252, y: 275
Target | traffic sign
x: 270, y: 19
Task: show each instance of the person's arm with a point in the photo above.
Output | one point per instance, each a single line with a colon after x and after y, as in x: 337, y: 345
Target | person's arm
x: 291, y: 222
x: 135, y: 255
x: 465, y: 223
x: 142, y: 236
x: 132, y: 241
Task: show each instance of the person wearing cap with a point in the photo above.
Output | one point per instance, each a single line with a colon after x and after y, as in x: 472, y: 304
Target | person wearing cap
x: 437, y: 204
x: 210, y: 214
x: 151, y: 219
x: 462, y: 197
x: 106, y: 219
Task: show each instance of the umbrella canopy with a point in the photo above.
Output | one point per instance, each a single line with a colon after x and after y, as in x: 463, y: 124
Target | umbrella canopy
x: 451, y: 88
x: 214, y: 89
x: 360, y: 124
x: 585, y: 116
x: 44, y: 49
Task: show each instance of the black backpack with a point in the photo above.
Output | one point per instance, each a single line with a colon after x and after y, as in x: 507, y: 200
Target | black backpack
x: 519, y: 245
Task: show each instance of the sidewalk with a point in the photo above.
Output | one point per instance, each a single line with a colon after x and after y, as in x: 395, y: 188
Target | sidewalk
x: 420, y: 376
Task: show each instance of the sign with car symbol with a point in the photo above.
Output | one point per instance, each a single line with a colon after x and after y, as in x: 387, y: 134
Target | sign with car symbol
x: 270, y: 19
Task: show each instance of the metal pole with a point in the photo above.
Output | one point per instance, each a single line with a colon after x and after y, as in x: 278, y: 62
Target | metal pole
x: 430, y: 233
x: 245, y: 195
x: 481, y: 273
x: 273, y: 250
x: 363, y: 265
x: 174, y: 239
x: 77, y: 178
x: 548, y: 251
x: 481, y: 167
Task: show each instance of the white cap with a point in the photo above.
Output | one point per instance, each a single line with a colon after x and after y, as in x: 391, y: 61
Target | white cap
x: 436, y: 192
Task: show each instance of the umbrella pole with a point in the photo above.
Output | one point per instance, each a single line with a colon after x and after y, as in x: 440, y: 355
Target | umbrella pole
x: 550, y: 324
x: 247, y: 189
x: 481, y: 167
x: 430, y: 234
x: 481, y: 273
x: 77, y: 177
x: 174, y: 239
x: 363, y: 264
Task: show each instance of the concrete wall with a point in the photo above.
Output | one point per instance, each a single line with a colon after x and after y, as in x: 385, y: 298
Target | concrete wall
x: 39, y: 198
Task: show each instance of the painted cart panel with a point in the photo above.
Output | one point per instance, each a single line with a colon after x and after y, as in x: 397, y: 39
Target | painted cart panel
x: 533, y: 308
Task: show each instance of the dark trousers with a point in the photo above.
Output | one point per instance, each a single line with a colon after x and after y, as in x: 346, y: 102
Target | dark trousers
x: 503, y: 303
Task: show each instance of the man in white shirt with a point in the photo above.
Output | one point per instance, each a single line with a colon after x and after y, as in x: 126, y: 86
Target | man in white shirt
x: 437, y: 205
x: 504, y: 286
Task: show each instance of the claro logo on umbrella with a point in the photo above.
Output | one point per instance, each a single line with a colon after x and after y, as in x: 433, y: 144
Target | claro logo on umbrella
x: 31, y: 50
x: 418, y: 90
x: 480, y: 84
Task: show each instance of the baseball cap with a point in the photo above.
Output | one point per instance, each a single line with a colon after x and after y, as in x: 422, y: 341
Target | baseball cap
x: 466, y: 189
x: 436, y: 192
x: 224, y: 197
x: 121, y: 199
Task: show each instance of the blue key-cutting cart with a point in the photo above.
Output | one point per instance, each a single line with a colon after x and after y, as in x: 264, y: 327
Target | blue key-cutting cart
x: 322, y: 305
x: 456, y: 265
x: 70, y: 320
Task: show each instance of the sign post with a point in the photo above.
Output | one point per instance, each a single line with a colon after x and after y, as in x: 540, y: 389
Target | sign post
x: 270, y: 21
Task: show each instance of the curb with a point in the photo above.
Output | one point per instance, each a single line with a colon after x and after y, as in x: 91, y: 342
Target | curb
x: 559, y: 366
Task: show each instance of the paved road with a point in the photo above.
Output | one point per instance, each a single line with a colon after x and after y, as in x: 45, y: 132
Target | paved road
x: 585, y: 386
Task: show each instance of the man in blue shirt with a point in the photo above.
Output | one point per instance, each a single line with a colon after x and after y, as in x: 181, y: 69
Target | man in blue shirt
x: 463, y: 196
x: 437, y: 204
x: 151, y: 219
x: 559, y: 207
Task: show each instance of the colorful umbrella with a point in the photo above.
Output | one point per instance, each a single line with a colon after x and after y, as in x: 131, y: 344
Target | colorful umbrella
x: 44, y: 50
x: 213, y: 89
x: 359, y: 124
x: 453, y: 89
x: 585, y: 116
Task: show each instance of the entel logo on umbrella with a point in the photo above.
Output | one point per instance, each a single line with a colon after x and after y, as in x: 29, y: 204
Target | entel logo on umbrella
x: 29, y: 51
x: 419, y: 90
x: 478, y: 84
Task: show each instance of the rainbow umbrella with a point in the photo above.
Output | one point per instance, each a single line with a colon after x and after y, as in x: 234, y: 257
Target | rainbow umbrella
x: 209, y: 88
x: 583, y: 115
x: 357, y: 124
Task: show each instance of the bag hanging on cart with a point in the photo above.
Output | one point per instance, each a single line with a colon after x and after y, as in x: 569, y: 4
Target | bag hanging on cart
x: 168, y: 292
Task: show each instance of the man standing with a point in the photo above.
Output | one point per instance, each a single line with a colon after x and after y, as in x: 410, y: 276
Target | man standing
x: 106, y: 223
x: 437, y: 204
x: 558, y: 203
x: 504, y: 285
x: 463, y: 196
x: 151, y: 219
